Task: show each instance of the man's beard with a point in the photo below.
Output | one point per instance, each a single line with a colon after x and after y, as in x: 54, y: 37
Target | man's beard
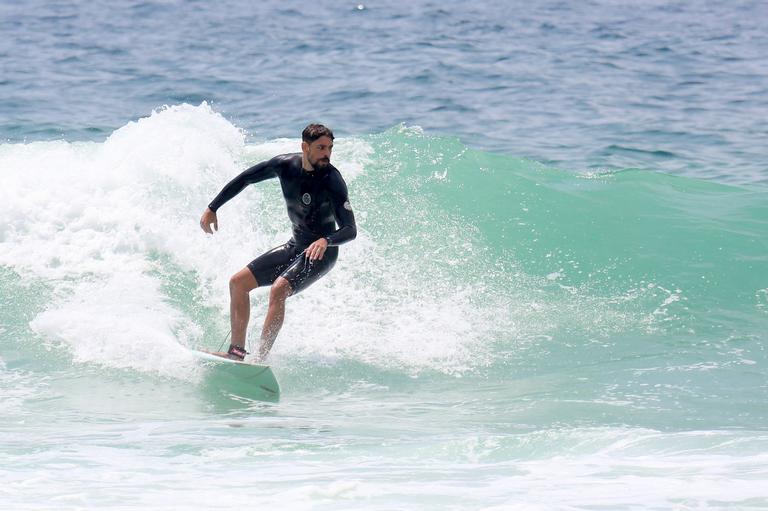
x: 321, y: 164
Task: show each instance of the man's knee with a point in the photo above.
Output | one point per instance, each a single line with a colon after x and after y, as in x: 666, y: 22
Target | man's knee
x: 280, y: 290
x: 242, y: 282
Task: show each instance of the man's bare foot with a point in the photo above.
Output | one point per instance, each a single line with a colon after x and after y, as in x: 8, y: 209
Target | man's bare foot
x: 234, y: 353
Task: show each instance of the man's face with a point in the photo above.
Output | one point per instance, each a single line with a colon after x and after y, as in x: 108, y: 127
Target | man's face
x: 318, y: 153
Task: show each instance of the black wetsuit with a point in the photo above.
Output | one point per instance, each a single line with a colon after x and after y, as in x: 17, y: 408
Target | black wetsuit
x: 316, y: 201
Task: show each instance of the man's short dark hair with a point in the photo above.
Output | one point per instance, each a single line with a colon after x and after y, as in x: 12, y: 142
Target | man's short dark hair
x: 314, y: 131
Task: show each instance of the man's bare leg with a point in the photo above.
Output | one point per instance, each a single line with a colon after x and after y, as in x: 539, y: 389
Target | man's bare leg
x: 240, y: 285
x: 279, y: 292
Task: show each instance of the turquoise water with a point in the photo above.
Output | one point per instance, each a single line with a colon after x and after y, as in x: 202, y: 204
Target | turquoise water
x: 524, y: 322
x: 502, y: 334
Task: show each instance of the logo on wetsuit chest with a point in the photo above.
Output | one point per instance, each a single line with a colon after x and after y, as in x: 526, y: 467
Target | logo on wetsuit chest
x: 306, y: 199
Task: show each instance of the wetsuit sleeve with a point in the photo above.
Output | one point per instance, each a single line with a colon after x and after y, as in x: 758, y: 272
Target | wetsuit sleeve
x: 260, y: 172
x: 347, y: 230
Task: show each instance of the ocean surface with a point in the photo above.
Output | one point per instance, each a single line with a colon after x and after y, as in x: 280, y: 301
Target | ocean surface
x: 557, y: 300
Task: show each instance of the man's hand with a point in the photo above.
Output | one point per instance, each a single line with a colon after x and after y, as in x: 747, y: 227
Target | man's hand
x: 316, y: 250
x: 208, y: 218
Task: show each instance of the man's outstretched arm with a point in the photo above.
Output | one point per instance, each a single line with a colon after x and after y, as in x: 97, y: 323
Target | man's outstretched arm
x: 259, y: 172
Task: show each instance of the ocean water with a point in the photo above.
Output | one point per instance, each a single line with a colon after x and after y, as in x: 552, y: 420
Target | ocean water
x: 558, y: 298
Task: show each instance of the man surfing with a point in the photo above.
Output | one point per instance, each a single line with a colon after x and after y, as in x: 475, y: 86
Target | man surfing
x: 317, y: 200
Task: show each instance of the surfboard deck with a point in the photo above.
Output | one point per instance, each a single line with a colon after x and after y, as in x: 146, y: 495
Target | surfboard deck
x: 257, y: 380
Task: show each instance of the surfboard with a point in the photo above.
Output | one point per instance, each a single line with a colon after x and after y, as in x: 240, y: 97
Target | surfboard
x: 255, y: 380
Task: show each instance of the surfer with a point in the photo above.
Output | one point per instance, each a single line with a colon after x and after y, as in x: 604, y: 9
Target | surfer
x: 317, y: 200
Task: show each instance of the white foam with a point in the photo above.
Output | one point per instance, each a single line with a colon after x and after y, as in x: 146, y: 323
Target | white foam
x: 87, y: 218
x: 121, y: 322
x: 540, y: 470
x: 374, y: 310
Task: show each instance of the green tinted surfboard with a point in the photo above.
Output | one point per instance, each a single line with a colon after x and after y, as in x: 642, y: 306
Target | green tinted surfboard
x: 244, y: 378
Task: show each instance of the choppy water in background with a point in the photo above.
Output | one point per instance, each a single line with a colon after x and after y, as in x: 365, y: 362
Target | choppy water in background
x: 674, y: 86
x: 558, y: 298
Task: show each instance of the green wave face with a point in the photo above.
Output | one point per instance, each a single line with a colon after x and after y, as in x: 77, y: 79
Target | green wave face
x: 612, y: 235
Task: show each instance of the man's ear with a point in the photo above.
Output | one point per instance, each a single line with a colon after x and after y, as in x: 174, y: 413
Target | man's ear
x: 304, y: 147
